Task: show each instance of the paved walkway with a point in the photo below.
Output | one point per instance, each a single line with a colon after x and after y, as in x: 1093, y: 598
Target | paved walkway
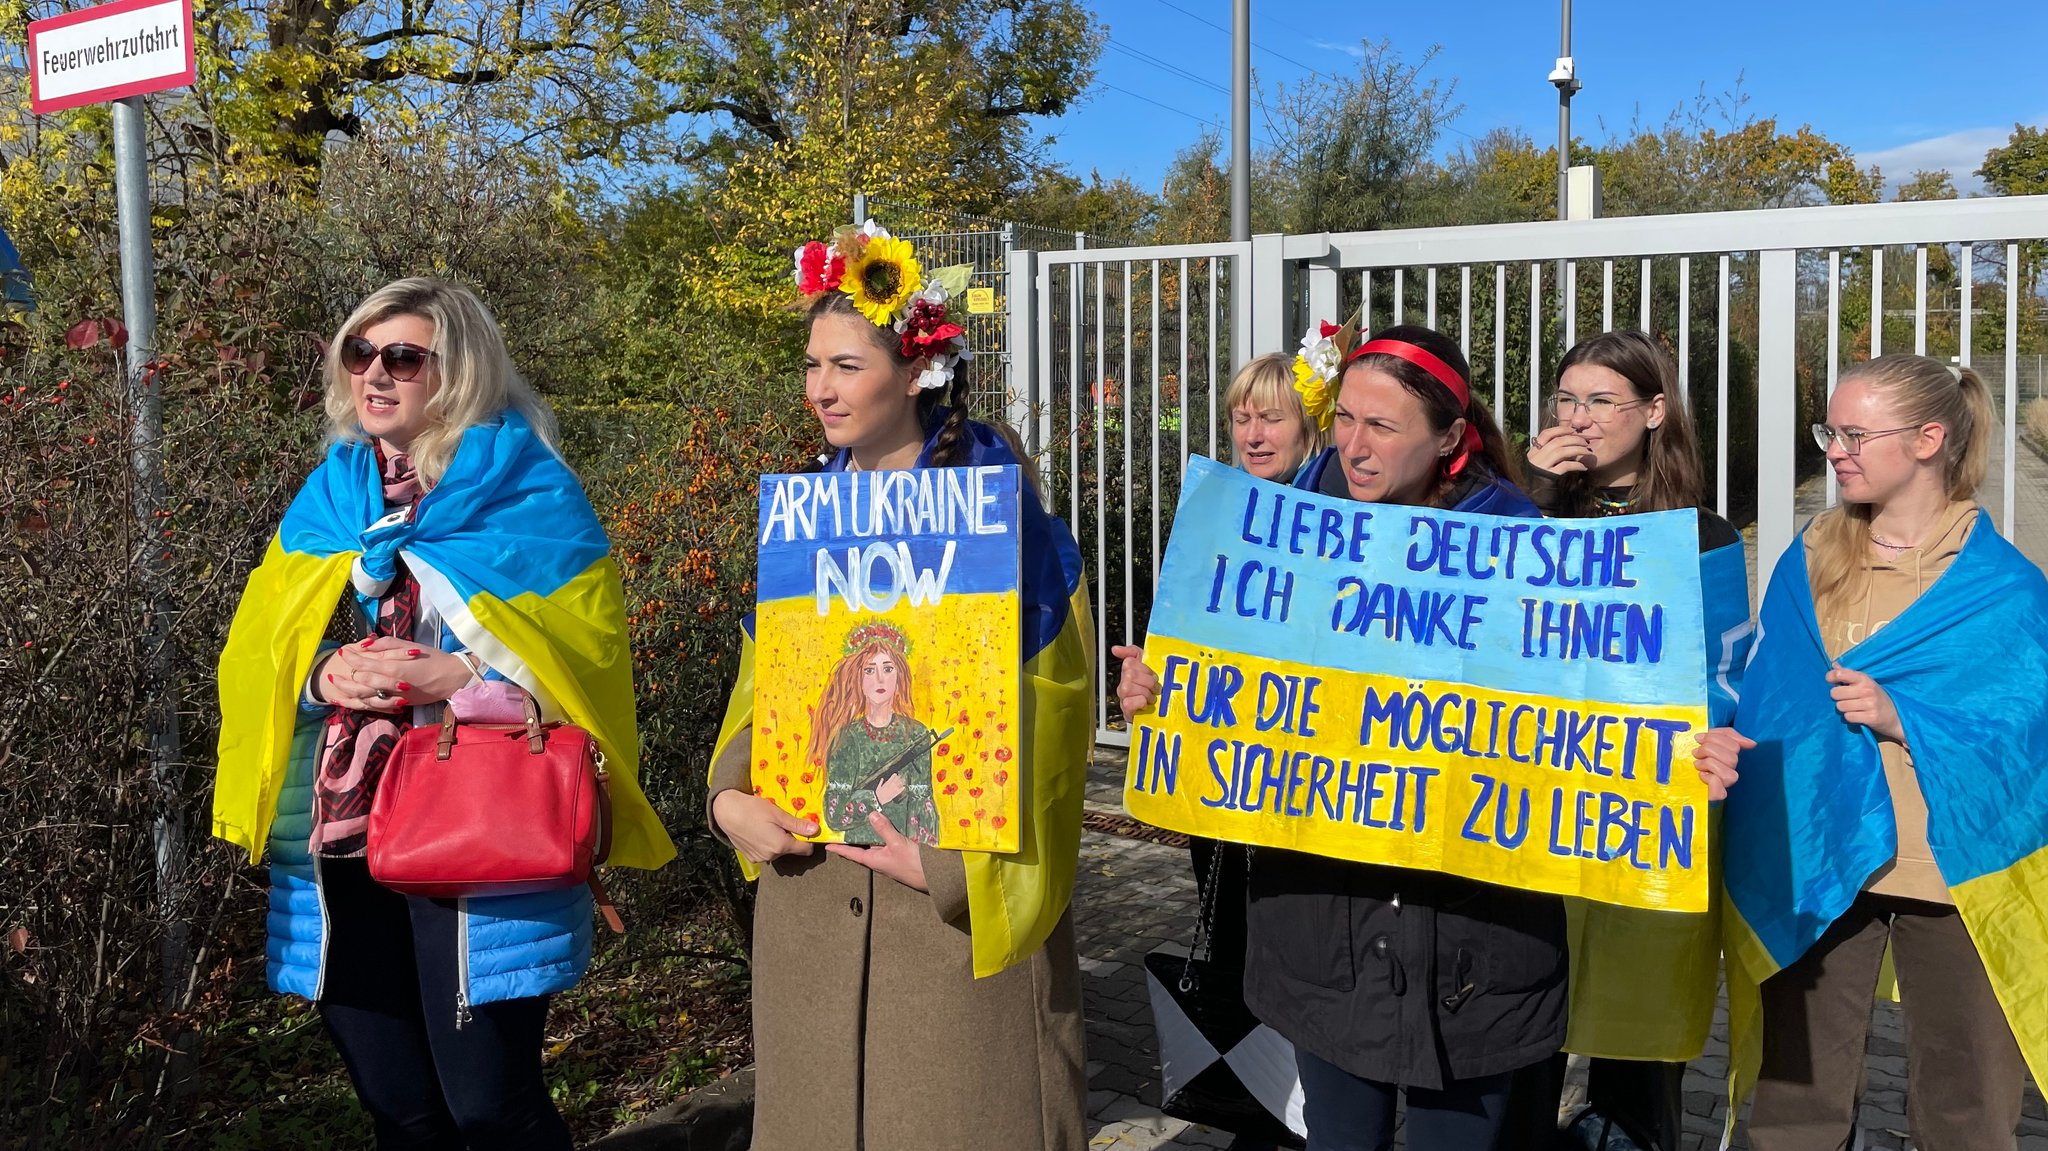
x: 1134, y: 895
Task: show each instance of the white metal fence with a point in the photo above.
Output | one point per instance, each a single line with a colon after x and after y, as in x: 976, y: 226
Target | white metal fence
x: 1119, y: 358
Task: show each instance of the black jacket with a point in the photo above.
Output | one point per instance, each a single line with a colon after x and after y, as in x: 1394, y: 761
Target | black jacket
x: 1402, y: 976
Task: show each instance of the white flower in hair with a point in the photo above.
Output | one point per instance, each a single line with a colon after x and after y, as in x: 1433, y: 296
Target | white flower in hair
x: 937, y: 376
x: 1320, y: 353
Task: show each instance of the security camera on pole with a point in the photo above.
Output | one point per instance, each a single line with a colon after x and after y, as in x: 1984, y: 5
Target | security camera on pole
x: 120, y: 52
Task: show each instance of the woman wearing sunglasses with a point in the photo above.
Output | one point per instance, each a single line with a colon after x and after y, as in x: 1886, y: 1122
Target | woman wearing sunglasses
x: 1391, y: 981
x: 1643, y: 982
x: 908, y: 998
x: 1896, y: 794
x: 446, y: 536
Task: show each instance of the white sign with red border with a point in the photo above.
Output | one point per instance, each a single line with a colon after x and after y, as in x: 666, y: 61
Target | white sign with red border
x: 108, y: 52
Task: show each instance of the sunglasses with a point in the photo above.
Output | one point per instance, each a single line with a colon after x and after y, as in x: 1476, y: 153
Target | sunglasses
x: 402, y: 361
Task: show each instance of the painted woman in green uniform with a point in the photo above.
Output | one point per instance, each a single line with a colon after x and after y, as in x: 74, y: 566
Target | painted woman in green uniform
x: 874, y: 751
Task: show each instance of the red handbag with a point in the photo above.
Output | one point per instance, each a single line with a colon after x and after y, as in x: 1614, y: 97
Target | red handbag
x: 492, y: 809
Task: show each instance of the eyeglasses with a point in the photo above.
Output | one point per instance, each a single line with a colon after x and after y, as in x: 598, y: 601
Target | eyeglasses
x: 1601, y: 408
x: 401, y: 361
x: 1852, y: 438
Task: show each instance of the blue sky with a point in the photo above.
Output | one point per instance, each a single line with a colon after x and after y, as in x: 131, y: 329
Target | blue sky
x: 1902, y: 86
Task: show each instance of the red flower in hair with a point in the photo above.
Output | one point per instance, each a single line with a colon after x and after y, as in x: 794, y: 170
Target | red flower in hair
x: 1329, y: 329
x: 820, y: 269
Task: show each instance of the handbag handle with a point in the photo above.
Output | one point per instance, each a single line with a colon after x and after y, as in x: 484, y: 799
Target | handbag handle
x: 536, y: 739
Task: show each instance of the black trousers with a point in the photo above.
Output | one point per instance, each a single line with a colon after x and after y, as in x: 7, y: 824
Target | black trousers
x: 1346, y: 1113
x: 1648, y: 1097
x: 427, y: 1080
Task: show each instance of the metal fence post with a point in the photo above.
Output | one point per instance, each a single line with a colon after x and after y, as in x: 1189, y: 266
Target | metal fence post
x: 1777, y: 399
x: 860, y: 208
x: 1259, y: 303
x: 1028, y: 412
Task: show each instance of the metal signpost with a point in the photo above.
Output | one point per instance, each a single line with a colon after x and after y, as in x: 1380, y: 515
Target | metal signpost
x: 119, y: 52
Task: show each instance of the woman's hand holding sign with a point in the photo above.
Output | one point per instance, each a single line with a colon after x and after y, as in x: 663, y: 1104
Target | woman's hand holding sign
x: 760, y: 830
x: 1715, y: 758
x: 1860, y: 701
x: 898, y: 857
x: 1137, y: 688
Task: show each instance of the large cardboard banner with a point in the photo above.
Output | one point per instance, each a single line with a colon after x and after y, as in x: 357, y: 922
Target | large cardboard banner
x: 886, y: 653
x: 1511, y: 700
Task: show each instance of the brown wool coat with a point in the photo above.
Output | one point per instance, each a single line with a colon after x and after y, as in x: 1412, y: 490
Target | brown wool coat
x: 871, y: 1032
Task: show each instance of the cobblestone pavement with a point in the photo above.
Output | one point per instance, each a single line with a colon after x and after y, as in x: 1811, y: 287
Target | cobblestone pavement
x: 1134, y: 895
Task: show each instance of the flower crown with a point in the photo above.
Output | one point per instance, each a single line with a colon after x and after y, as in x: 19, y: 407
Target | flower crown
x: 1324, y: 349
x: 881, y: 632
x: 882, y: 275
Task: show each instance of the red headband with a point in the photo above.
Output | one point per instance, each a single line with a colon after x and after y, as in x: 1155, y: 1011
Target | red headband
x: 1421, y: 358
x: 1460, y: 391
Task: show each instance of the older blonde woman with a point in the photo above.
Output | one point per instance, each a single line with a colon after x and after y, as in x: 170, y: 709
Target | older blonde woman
x: 447, y: 531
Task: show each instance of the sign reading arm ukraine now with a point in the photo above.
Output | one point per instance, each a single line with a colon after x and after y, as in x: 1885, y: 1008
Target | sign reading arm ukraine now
x: 1510, y: 700
x: 887, y: 654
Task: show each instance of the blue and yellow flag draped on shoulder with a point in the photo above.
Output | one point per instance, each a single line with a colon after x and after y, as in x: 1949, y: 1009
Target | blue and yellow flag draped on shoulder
x: 511, y: 556
x: 1811, y: 821
x: 1643, y: 983
x: 1014, y: 900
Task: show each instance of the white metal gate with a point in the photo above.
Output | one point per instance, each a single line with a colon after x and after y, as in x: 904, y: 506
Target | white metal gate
x: 1129, y: 348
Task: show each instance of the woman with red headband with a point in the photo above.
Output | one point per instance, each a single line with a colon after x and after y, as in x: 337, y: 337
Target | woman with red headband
x: 1389, y: 980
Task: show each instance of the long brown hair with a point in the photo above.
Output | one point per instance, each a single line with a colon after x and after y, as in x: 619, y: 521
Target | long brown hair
x: 840, y: 702
x: 1922, y: 391
x: 1669, y: 477
x: 1440, y: 406
x: 951, y: 447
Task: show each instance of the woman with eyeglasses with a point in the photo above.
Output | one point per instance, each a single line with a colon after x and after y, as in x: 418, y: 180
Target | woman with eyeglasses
x: 1896, y: 792
x: 1643, y: 982
x: 443, y: 535
x: 1391, y: 981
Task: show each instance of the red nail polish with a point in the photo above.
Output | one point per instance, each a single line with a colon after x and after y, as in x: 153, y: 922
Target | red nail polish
x: 330, y: 677
x: 404, y: 686
x: 414, y: 654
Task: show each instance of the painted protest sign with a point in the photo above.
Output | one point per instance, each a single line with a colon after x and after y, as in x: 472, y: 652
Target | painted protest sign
x: 886, y: 653
x: 1511, y: 700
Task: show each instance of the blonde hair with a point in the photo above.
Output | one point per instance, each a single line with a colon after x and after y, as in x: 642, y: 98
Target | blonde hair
x: 1267, y: 382
x: 477, y: 378
x: 1921, y: 391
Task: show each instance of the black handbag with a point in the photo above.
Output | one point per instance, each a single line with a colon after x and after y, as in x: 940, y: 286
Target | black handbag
x: 1219, y: 1066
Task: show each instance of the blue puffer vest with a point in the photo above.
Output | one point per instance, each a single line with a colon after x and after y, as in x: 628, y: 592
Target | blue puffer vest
x: 514, y: 945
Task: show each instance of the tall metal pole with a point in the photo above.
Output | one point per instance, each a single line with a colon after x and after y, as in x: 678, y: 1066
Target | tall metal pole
x: 1565, y: 87
x: 146, y: 436
x: 1241, y: 120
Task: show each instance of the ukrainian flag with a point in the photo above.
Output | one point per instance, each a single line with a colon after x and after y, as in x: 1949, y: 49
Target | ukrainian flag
x: 1015, y: 900
x: 510, y: 554
x: 1811, y: 820
x: 1643, y: 983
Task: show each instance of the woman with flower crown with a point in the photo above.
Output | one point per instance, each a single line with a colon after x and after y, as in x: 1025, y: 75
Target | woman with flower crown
x: 905, y: 997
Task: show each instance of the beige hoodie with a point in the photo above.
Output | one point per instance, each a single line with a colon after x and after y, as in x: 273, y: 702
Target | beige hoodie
x: 1850, y: 616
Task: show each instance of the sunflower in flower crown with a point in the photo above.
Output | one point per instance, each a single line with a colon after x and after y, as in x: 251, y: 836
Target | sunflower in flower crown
x: 882, y: 278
